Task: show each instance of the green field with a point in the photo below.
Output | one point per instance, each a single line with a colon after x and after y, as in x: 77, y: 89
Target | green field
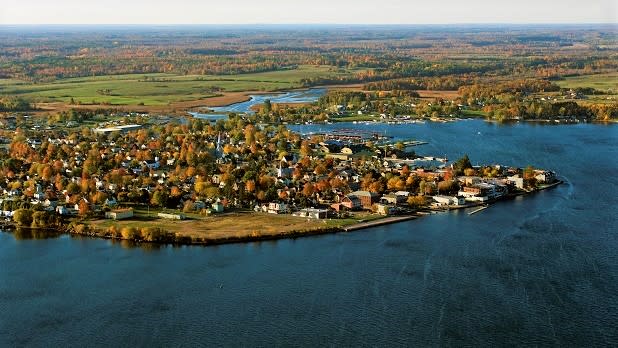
x: 160, y: 89
x: 602, y: 82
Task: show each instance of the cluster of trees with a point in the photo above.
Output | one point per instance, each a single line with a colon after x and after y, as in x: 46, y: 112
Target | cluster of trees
x: 534, y: 109
x: 344, y: 98
x: 35, y: 218
x: 12, y: 104
x: 490, y: 91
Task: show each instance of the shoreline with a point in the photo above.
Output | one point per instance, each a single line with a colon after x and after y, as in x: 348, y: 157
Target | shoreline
x: 174, y: 239
x: 185, y: 240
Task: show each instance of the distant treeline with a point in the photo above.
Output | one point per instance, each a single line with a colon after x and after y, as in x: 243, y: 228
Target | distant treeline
x: 375, y: 53
x: 535, y: 110
x: 447, y: 83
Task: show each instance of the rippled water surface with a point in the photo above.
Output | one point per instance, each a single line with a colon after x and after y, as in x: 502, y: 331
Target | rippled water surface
x: 535, y: 271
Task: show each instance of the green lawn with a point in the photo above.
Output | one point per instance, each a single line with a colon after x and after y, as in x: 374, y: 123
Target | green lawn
x: 162, y: 88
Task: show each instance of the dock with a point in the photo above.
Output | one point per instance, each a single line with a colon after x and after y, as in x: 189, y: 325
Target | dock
x: 478, y: 210
x: 380, y: 222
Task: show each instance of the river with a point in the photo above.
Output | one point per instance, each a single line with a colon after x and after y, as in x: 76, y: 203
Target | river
x: 292, y: 97
x: 540, y: 270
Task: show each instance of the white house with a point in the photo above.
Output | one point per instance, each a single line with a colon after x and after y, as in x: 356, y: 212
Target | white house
x: 312, y: 213
x: 119, y: 214
x: 277, y: 208
x: 545, y: 176
x: 449, y: 200
x: 516, y: 180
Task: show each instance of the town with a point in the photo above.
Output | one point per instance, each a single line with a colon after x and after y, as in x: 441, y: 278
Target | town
x: 105, y: 174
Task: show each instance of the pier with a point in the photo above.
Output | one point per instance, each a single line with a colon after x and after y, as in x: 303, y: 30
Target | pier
x: 478, y: 210
x: 380, y: 222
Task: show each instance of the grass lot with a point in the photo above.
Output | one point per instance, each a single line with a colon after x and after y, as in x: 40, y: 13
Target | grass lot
x: 161, y: 89
x: 232, y: 225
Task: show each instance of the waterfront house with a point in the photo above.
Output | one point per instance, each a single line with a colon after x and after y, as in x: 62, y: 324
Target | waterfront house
x: 544, y: 176
x: 384, y: 209
x: 516, y: 180
x: 312, y: 213
x: 393, y: 198
x: 449, y: 200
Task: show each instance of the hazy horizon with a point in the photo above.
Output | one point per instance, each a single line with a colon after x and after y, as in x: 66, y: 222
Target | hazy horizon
x: 317, y: 12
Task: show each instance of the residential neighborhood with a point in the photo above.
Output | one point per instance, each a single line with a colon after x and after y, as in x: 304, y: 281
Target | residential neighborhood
x: 204, y: 169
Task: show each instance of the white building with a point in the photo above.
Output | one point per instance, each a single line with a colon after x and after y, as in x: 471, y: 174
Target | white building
x: 278, y: 208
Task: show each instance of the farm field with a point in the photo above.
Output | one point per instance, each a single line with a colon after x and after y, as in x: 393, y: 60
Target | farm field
x: 160, y: 89
x: 603, y: 82
x: 607, y: 83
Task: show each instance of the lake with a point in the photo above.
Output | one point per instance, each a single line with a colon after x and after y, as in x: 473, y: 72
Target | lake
x: 540, y: 270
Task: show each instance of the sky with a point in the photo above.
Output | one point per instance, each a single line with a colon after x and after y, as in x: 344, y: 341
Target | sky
x: 306, y: 11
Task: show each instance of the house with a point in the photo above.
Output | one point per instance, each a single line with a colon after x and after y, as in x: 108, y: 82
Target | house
x: 404, y: 194
x: 351, y: 202
x: 169, y: 216
x: 62, y: 210
x: 119, y: 214
x: 312, y: 213
x: 277, y: 208
x: 151, y: 164
x: 384, y: 209
x: 449, y: 200
x: 284, y: 172
x: 217, y: 207
x: 330, y: 146
x: 473, y: 194
x: 516, y: 180
x: 366, y: 198
x: 544, y: 176
x: 393, y: 198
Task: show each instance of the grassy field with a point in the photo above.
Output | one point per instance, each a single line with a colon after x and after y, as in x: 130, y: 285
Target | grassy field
x: 231, y: 225
x: 228, y: 225
x: 602, y: 82
x: 159, y: 89
x: 607, y: 83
